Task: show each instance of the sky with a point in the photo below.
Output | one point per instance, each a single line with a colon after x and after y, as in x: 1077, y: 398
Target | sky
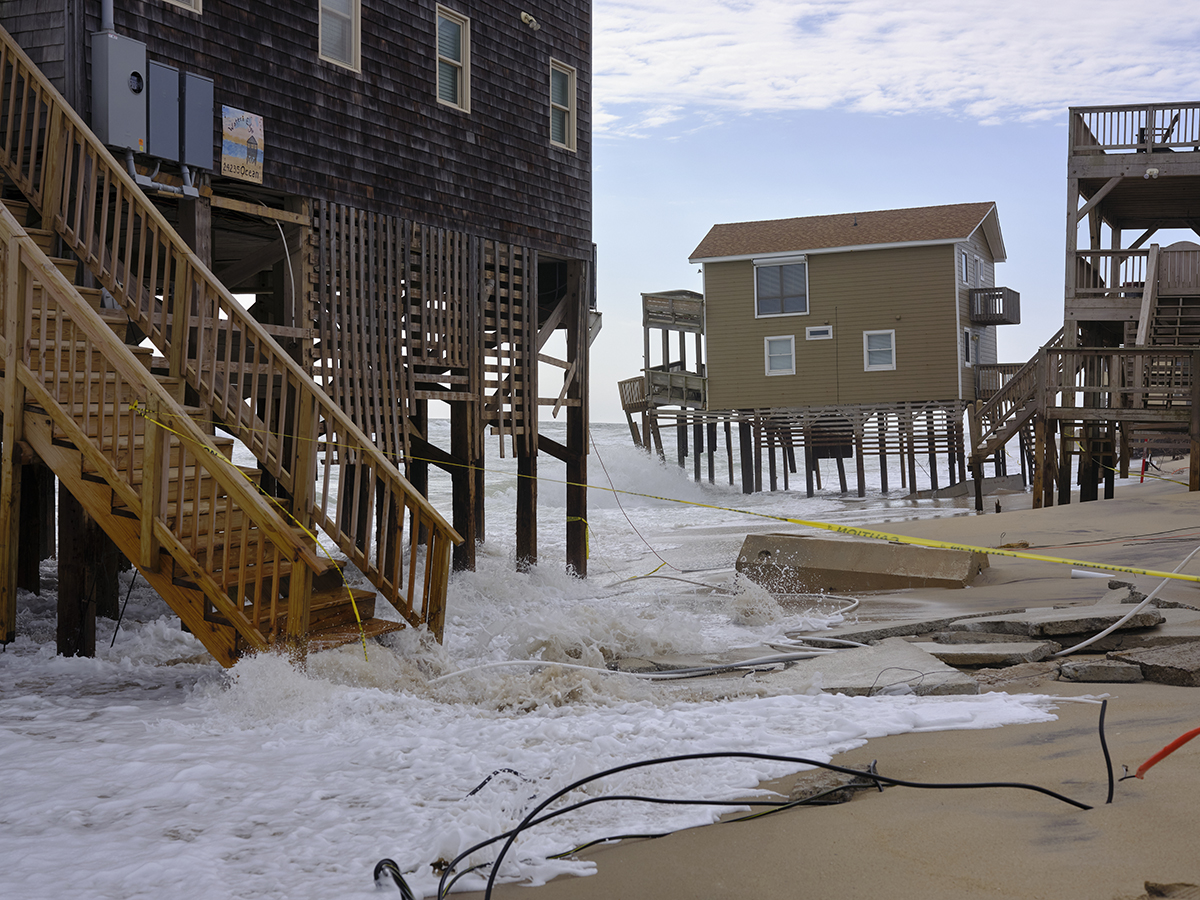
x: 712, y: 111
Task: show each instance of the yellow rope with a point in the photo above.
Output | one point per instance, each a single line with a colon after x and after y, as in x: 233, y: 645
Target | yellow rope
x: 137, y: 408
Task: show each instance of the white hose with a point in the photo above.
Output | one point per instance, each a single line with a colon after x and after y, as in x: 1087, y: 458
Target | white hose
x: 1133, y: 612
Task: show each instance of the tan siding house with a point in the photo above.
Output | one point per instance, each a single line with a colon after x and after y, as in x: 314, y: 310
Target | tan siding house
x: 858, y: 308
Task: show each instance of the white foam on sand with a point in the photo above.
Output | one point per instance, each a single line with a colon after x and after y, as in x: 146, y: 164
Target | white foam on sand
x: 151, y: 772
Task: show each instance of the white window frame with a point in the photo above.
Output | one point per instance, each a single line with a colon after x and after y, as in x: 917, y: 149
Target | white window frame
x: 814, y: 333
x: 768, y: 263
x: 791, y: 339
x: 965, y: 267
x: 355, y: 61
x: 189, y: 5
x: 867, y: 367
x: 968, y: 347
x: 978, y: 272
x: 463, y: 65
x: 569, y: 110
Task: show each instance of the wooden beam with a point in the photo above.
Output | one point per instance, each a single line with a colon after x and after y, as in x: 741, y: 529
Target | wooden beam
x: 1098, y: 196
x: 1145, y: 236
x: 1149, y: 296
x: 259, y: 209
x: 234, y: 274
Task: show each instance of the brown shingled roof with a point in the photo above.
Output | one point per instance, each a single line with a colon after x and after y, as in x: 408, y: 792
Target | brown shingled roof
x: 886, y: 226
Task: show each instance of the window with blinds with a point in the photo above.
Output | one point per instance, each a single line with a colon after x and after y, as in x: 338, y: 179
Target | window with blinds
x: 879, y: 350
x: 339, y: 32
x: 193, y: 5
x: 781, y: 290
x: 562, y: 105
x: 453, y: 59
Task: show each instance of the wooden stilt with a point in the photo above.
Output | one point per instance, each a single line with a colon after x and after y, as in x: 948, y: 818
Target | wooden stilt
x: 758, y: 454
x: 462, y: 479
x: 711, y: 449
x: 1064, y: 462
x: 841, y: 467
x: 729, y: 448
x: 527, y: 489
x: 76, y: 630
x: 681, y: 440
x: 746, y: 453
x: 859, y: 464
x: 1039, y: 462
x: 697, y: 446
x: 770, y: 439
x: 933, y: 467
x: 883, y: 459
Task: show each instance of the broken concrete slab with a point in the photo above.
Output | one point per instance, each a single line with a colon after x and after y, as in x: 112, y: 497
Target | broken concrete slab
x: 878, y: 631
x: 891, y: 666
x: 1026, y: 674
x: 1051, y: 622
x: 791, y: 563
x: 1007, y: 653
x: 1105, y: 671
x: 976, y: 637
x: 1179, y: 626
x: 1008, y: 483
x: 1178, y: 664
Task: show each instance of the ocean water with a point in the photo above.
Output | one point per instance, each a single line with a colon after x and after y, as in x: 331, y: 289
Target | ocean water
x: 150, y: 771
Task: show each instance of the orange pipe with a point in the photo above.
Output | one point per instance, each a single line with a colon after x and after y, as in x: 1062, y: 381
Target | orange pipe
x: 1167, y: 751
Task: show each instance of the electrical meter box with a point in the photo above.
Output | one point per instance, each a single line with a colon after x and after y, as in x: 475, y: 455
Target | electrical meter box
x: 197, y: 122
x: 163, y: 121
x: 119, y: 90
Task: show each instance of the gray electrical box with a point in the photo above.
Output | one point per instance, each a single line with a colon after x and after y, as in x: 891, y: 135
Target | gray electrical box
x: 163, y: 124
x: 196, y: 123
x: 119, y: 90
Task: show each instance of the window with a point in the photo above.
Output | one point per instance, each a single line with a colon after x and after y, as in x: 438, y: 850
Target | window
x: 193, y: 5
x: 453, y: 59
x: 780, y: 354
x: 781, y: 289
x: 968, y: 348
x: 879, y: 350
x: 978, y: 272
x: 818, y: 333
x: 562, y: 105
x: 966, y: 268
x: 339, y: 32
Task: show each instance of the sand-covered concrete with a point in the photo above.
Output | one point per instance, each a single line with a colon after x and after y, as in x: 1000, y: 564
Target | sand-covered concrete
x: 995, y: 843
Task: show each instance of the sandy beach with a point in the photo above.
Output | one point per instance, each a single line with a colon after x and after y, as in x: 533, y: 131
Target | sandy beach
x: 994, y: 843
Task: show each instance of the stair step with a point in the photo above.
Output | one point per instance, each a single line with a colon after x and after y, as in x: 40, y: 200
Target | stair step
x: 60, y: 327
x: 44, y: 238
x: 120, y: 456
x: 203, y: 483
x: 19, y: 210
x: 328, y: 639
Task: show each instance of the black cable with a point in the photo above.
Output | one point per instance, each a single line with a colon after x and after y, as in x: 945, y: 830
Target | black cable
x: 1104, y: 747
x: 775, y: 807
x: 532, y: 817
x: 124, y: 606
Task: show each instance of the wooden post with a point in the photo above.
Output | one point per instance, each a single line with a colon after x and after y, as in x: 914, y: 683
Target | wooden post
x: 462, y: 480
x: 304, y: 455
x: 76, y: 630
x: 16, y: 288
x: 577, y: 424
x: 697, y: 446
x: 1039, y: 462
x: 932, y: 438
x: 681, y: 440
x: 809, y: 465
x: 37, y: 511
x: 154, y: 474
x: 746, y: 453
x: 1194, y: 426
x: 711, y: 449
x: 729, y: 448
x: 769, y: 436
x: 883, y: 468
x: 1064, y: 461
x: 758, y: 454
x: 911, y: 433
x: 859, y: 462
x: 527, y: 550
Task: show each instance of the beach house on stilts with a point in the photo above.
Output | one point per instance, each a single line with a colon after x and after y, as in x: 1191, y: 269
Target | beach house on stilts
x: 403, y: 188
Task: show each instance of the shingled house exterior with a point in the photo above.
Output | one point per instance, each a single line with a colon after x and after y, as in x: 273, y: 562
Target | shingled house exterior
x: 403, y: 185
x: 869, y: 307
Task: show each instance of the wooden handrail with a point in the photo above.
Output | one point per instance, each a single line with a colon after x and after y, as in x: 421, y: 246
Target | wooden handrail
x: 31, y: 267
x: 228, y: 357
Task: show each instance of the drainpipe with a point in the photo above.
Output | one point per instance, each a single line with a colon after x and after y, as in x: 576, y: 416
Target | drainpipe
x: 106, y: 16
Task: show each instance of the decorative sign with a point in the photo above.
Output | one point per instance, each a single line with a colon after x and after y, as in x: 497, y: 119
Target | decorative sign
x: 241, y: 145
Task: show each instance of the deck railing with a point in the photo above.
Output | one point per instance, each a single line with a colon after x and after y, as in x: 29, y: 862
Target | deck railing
x: 1139, y: 128
x: 334, y: 473
x: 188, y: 498
x: 995, y: 306
x: 1110, y: 273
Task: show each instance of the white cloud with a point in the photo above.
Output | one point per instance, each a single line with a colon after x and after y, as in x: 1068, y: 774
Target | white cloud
x: 658, y: 60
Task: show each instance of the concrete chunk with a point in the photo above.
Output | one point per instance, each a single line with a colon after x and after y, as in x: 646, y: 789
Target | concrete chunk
x: 1007, y: 653
x: 1051, y: 622
x: 1100, y: 670
x: 790, y: 563
x: 977, y: 637
x: 891, y: 666
x: 1179, y: 664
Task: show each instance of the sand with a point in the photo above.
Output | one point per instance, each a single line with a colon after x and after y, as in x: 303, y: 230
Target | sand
x: 993, y: 843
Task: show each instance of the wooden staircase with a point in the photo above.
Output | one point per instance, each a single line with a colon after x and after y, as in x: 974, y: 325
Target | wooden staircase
x: 241, y: 569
